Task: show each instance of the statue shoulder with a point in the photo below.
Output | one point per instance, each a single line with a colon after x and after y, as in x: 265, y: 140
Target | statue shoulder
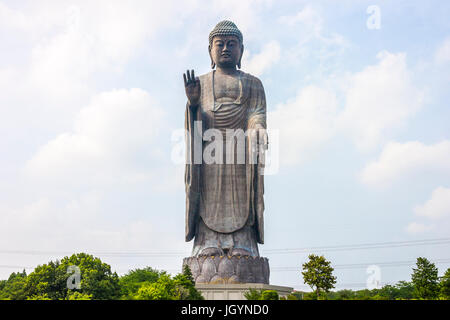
x: 253, y: 79
x: 205, y: 76
x: 250, y: 77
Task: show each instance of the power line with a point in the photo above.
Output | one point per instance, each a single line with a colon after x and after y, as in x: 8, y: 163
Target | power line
x: 14, y: 267
x: 349, y: 285
x: 281, y: 269
x: 365, y: 265
x: 392, y: 244
x: 349, y: 247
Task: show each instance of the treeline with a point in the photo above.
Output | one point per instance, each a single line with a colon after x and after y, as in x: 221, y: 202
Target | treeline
x: 85, y: 277
x: 425, y: 284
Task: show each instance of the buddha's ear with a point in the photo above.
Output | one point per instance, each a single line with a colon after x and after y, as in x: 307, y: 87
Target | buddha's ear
x: 213, y: 64
x: 240, y: 58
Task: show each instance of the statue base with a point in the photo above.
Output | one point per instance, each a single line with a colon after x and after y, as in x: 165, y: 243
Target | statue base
x: 228, y: 270
x: 237, y: 291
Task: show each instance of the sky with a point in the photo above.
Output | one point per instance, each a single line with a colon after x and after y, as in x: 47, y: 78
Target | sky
x: 92, y: 106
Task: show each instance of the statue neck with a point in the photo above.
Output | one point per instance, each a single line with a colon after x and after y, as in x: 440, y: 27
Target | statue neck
x: 227, y: 71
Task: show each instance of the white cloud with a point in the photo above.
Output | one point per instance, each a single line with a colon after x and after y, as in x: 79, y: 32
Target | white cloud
x: 45, y: 222
x: 418, y: 228
x: 304, y: 122
x: 82, y: 224
x: 32, y: 20
x: 246, y: 14
x: 376, y: 101
x: 437, y: 207
x: 11, y: 18
x: 97, y: 36
x: 434, y: 213
x: 70, y: 43
x: 112, y: 139
x: 398, y: 160
x: 259, y: 63
x: 442, y: 54
x: 379, y: 100
x: 308, y: 16
x: 315, y: 42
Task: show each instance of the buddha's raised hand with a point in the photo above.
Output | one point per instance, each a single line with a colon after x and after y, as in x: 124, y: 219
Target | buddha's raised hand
x: 192, y: 87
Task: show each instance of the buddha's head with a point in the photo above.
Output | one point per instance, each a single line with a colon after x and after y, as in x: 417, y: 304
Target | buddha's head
x: 225, y: 45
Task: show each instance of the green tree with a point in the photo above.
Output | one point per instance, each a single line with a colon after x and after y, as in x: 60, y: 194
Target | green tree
x: 445, y: 285
x: 387, y: 292
x: 270, y: 295
x: 185, y: 285
x: 162, y: 289
x: 298, y: 294
x: 180, y: 287
x: 261, y: 294
x: 365, y: 294
x: 40, y: 297
x: 253, y: 294
x: 345, y: 294
x: 47, y: 280
x: 291, y: 297
x: 14, y: 287
x: 97, y: 279
x: 75, y: 295
x: 425, y: 279
x: 318, y: 274
x: 188, y: 274
x: 405, y: 290
x: 134, y: 279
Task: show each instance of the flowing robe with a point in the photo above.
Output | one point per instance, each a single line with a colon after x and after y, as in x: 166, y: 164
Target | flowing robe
x: 225, y: 198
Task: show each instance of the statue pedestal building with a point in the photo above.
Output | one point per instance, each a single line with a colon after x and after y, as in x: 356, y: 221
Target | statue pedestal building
x: 236, y: 291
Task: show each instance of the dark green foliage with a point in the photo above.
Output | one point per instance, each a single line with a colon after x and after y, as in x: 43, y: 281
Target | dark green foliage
x: 162, y: 289
x: 298, y: 295
x: 253, y: 294
x: 181, y: 287
x: 405, y: 290
x: 365, y: 294
x: 402, y: 290
x: 388, y: 292
x: 186, y: 285
x: 134, y: 279
x: 14, y: 287
x: 445, y: 285
x: 187, y: 273
x: 150, y: 284
x: 291, y: 297
x: 97, y: 279
x: 425, y: 279
x: 270, y: 295
x: 318, y: 274
x: 49, y: 281
x: 345, y: 294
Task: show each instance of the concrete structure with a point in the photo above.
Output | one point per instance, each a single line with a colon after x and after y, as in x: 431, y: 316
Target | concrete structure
x: 236, y: 291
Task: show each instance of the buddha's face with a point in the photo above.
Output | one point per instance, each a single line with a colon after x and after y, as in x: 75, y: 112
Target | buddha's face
x: 226, y: 51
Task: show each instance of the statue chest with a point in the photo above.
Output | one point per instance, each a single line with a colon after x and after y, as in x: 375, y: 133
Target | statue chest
x: 226, y: 88
x: 222, y: 106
